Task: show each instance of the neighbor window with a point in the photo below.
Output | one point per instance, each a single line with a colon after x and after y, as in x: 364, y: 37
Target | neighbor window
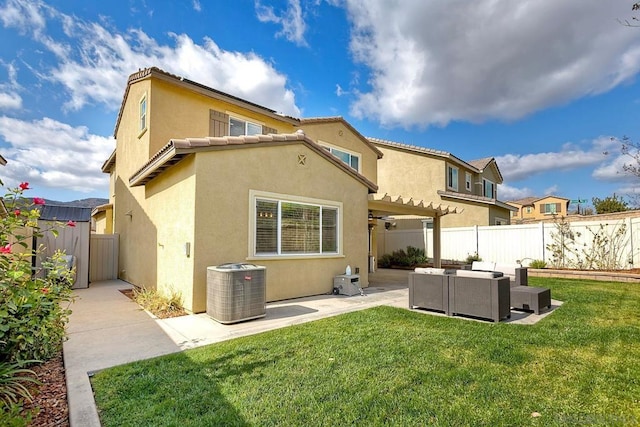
x: 467, y: 181
x: 550, y: 208
x: 452, y: 178
x: 143, y: 113
x: 293, y: 228
x: 350, y: 159
x: 238, y: 127
x: 489, y: 189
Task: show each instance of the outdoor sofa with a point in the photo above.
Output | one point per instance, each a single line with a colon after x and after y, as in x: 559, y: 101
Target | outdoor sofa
x: 523, y: 297
x: 478, y: 294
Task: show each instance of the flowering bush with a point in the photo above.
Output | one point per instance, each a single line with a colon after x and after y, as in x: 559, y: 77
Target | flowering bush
x: 33, y: 313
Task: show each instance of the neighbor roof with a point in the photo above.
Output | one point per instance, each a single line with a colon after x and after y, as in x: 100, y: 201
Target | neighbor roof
x: 531, y: 200
x: 3, y: 161
x: 196, y: 87
x: 340, y: 119
x: 177, y: 149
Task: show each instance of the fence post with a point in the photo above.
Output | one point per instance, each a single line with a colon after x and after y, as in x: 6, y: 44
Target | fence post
x: 630, y: 259
x: 544, y: 254
x: 475, y: 230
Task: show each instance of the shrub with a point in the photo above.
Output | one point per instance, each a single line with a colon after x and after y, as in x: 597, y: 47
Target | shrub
x: 32, y: 310
x: 537, y: 263
x: 473, y: 257
x: 159, y: 304
x: 399, y: 258
x: 12, y: 383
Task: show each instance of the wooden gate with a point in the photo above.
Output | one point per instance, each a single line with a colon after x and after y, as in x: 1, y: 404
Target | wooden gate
x: 103, y: 257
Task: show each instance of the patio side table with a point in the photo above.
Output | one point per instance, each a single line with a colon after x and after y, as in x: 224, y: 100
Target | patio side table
x: 530, y: 298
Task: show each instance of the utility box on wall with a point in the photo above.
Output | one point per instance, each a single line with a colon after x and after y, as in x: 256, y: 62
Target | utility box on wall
x: 347, y: 284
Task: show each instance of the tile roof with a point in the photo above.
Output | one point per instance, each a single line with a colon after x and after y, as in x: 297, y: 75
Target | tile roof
x: 177, y: 149
x: 3, y: 161
x: 340, y: 119
x: 197, y: 87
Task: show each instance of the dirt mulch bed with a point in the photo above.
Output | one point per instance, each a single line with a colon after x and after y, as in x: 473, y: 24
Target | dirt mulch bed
x: 162, y: 314
x: 49, y: 404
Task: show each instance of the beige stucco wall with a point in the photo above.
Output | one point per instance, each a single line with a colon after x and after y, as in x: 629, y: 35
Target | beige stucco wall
x: 410, y: 175
x: 223, y: 216
x: 191, y: 119
x: 145, y: 218
x: 338, y: 135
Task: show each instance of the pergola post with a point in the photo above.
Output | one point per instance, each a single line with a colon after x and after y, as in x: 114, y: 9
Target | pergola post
x: 437, y: 254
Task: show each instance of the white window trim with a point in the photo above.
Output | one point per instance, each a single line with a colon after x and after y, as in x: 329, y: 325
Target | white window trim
x: 246, y: 119
x: 468, y: 181
x: 500, y: 221
x: 344, y: 150
x: 256, y: 194
x: 141, y: 130
x: 455, y: 186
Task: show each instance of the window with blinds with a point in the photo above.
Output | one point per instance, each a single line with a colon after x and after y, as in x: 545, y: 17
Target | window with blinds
x: 291, y: 228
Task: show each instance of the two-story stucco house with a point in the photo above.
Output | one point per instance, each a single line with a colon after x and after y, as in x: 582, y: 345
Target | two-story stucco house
x: 201, y: 178
x: 441, y: 176
x: 539, y: 208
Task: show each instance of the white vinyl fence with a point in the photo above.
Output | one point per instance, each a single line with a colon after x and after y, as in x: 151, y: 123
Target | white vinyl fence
x: 618, y: 240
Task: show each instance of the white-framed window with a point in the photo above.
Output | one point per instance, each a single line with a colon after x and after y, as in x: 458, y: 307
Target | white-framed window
x: 489, y: 189
x: 501, y: 221
x: 350, y: 158
x: 238, y: 127
x: 143, y: 113
x: 289, y: 226
x: 452, y: 178
x: 550, y: 208
x: 467, y: 181
x: 528, y: 209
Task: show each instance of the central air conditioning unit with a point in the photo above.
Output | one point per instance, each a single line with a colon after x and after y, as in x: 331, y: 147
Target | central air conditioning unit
x: 236, y: 292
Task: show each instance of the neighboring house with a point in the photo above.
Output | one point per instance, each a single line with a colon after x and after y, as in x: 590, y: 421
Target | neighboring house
x: 200, y: 178
x: 539, y: 208
x: 440, y: 176
x: 102, y: 218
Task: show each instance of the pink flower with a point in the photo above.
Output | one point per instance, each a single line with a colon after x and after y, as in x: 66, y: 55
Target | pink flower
x: 6, y: 249
x: 24, y: 186
x: 38, y: 201
x: 16, y: 212
x: 71, y: 223
x: 45, y: 290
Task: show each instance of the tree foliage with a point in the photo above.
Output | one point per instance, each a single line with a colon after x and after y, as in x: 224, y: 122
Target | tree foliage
x: 609, y: 204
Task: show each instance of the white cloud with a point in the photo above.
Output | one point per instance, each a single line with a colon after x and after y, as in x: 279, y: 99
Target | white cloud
x: 291, y: 20
x: 10, y: 101
x: 197, y: 6
x: 515, y: 167
x: 443, y: 60
x: 506, y: 192
x: 10, y: 98
x: 94, y: 64
x: 51, y: 154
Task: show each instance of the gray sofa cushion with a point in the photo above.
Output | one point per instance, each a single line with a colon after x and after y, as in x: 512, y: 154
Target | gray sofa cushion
x: 479, y: 274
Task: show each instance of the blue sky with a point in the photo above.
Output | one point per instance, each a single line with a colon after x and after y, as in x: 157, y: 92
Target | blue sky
x: 541, y: 85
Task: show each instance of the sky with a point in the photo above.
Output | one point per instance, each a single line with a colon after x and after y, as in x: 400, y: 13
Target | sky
x: 546, y: 87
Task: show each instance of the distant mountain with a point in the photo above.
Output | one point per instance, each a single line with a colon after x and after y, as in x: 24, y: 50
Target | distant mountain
x: 84, y: 203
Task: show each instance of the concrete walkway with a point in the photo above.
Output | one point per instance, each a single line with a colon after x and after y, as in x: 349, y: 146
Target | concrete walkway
x: 107, y: 329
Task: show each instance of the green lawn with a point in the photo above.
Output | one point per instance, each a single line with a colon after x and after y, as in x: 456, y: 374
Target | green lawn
x: 389, y: 366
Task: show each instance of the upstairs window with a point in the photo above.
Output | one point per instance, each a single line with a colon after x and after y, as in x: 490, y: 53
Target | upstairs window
x: 489, y: 189
x: 143, y: 113
x: 467, y: 181
x: 452, y: 178
x: 238, y: 127
x: 350, y: 159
